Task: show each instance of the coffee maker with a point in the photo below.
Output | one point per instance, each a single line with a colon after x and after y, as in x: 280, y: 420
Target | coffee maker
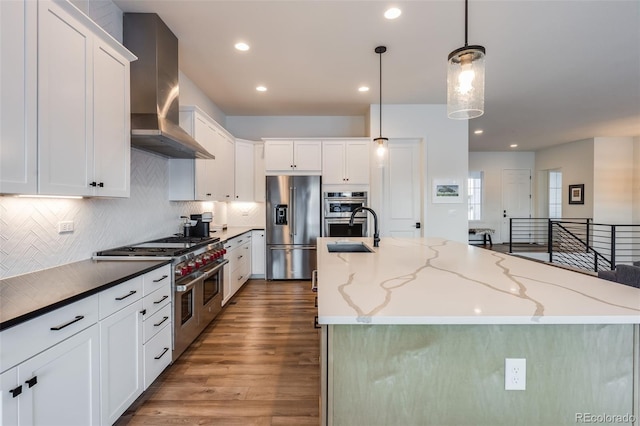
x: 201, y: 228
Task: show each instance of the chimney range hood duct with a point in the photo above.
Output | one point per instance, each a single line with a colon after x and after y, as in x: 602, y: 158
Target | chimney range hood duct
x: 154, y: 89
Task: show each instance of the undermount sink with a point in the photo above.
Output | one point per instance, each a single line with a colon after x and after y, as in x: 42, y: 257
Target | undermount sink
x: 348, y: 248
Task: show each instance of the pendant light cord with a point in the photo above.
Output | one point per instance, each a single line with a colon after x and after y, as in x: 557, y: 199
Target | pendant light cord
x: 380, y: 55
x: 466, y: 22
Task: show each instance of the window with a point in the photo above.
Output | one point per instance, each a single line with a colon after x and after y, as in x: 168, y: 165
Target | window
x: 474, y: 196
x: 555, y: 194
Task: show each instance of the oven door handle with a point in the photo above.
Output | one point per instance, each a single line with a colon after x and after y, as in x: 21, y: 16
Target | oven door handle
x: 215, y: 269
x: 189, y: 286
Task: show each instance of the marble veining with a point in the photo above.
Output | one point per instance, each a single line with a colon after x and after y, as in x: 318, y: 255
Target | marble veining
x: 436, y: 281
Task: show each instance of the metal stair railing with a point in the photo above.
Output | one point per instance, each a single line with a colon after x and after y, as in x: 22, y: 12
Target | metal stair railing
x: 570, y: 246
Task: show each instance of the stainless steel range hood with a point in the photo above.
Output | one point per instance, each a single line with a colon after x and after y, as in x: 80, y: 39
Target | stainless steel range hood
x: 155, y: 105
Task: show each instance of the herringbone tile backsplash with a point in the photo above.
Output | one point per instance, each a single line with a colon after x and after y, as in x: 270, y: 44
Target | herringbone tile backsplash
x: 29, y: 239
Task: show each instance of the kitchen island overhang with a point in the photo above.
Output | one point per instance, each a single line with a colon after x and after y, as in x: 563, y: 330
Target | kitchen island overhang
x: 418, y: 332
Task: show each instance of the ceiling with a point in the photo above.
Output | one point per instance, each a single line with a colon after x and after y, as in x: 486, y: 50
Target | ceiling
x: 557, y: 71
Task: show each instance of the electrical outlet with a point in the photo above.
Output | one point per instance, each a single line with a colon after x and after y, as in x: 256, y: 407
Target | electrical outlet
x: 65, y: 226
x: 515, y: 374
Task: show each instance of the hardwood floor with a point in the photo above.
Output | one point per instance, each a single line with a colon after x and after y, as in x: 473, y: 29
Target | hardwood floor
x: 256, y: 364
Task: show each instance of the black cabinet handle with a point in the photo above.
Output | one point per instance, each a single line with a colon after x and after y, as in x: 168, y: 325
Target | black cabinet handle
x: 162, y: 354
x: 94, y: 184
x: 315, y: 323
x: 163, y: 320
x: 16, y: 391
x: 101, y: 184
x: 67, y: 324
x: 208, y: 194
x: 131, y: 293
x: 32, y: 381
x: 316, y: 305
x: 160, y: 279
x: 143, y: 312
x: 165, y: 297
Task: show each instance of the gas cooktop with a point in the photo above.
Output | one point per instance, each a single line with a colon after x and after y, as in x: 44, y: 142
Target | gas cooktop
x: 168, y: 246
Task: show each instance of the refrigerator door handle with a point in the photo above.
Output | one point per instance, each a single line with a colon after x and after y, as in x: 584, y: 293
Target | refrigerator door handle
x: 291, y: 212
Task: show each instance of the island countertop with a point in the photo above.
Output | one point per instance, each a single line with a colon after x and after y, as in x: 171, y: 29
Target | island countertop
x: 437, y: 281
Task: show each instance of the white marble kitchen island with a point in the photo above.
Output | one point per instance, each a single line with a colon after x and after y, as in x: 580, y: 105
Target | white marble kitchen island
x: 417, y: 333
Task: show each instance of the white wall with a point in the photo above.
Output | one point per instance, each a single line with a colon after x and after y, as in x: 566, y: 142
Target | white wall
x: 190, y: 94
x: 613, y: 180
x: 446, y: 146
x: 575, y: 160
x: 257, y: 127
x: 492, y: 164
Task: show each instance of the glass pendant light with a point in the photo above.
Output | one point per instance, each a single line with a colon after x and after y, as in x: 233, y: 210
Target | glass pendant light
x: 465, y: 78
x: 382, y: 142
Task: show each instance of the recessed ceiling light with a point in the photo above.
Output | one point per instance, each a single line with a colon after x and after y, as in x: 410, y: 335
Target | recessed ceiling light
x: 261, y: 89
x: 513, y: 145
x: 363, y: 89
x: 479, y: 132
x: 242, y: 46
x: 392, y: 13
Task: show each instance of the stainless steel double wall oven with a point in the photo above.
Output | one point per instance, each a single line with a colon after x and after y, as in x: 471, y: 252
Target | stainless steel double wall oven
x: 338, y: 207
x: 197, y: 265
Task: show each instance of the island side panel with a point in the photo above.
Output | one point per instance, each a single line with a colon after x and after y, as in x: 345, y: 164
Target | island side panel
x: 454, y: 374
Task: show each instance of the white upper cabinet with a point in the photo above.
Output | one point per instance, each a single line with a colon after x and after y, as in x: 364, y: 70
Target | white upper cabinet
x: 204, y: 180
x: 259, y: 190
x: 83, y: 106
x: 225, y: 166
x: 244, y: 171
x: 346, y: 162
x: 79, y: 77
x: 18, y: 103
x: 293, y: 156
x: 191, y: 179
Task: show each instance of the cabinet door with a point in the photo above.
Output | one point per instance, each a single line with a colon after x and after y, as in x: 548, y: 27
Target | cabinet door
x: 64, y: 382
x: 333, y: 160
x: 121, y: 361
x: 111, y: 122
x: 357, y: 162
x: 307, y: 156
x: 65, y: 158
x: 278, y: 156
x: 244, y: 171
x: 226, y: 167
x: 258, y: 248
x: 259, y: 189
x: 205, y: 134
x: 11, y: 389
x: 18, y: 103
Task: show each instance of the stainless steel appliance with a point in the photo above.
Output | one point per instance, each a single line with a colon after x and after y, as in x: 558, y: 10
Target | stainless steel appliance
x: 154, y: 89
x: 197, y: 280
x: 292, y: 225
x: 338, y: 207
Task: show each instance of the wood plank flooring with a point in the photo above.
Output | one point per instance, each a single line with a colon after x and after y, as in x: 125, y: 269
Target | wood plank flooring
x: 255, y: 364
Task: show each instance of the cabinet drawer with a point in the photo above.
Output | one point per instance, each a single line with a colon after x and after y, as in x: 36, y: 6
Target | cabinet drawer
x: 157, y: 355
x: 117, y: 297
x: 156, y: 279
x: 156, y: 322
x: 155, y: 301
x: 236, y: 242
x: 29, y: 338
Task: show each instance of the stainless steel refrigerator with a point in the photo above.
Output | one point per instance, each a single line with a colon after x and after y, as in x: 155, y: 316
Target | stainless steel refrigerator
x: 294, y: 218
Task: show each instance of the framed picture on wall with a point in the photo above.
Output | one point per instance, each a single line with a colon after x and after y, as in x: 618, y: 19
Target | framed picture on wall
x: 576, y: 194
x: 447, y: 191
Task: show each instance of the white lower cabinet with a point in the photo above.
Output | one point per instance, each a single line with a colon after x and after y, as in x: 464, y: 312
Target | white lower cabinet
x: 55, y: 387
x: 258, y: 249
x: 239, y: 255
x: 121, y: 365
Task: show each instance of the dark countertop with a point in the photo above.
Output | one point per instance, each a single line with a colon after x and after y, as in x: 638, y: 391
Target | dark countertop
x: 25, y: 297
x: 234, y: 231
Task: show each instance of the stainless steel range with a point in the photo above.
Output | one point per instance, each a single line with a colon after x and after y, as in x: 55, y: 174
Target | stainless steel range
x: 197, y: 280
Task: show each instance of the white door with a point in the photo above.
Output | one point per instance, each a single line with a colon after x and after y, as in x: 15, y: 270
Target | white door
x: 516, y: 197
x: 402, y: 190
